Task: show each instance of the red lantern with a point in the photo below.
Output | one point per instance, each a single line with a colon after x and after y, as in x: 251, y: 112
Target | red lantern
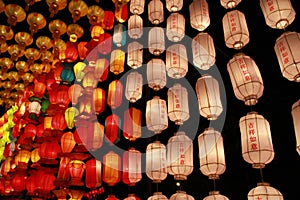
x: 112, y: 197
x: 48, y: 152
x: 31, y: 186
x: 111, y: 168
x: 93, y: 174
x: 39, y: 89
x: 62, y: 97
x: 82, y: 50
x: 115, y: 91
x: 56, y: 72
x: 59, y: 122
x: 44, y: 182
x: 82, y: 133
x: 76, y: 168
x: 121, y: 13
x: 30, y: 131
x: 63, y: 174
x: 105, y: 43
x: 18, y: 182
x: 112, y: 131
x: 132, y: 161
x: 132, y: 124
x: 71, y: 52
x: 108, y: 20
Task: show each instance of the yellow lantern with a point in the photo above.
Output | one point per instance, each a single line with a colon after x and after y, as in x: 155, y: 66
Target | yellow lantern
x: 57, y: 27
x: 78, y: 9
x: 56, y: 5
x: 134, y: 86
x: 95, y: 14
x: 137, y: 6
x: 70, y: 114
x: 117, y: 61
x: 79, y: 71
x: 115, y: 92
x: 15, y: 52
x: 23, y: 39
x: 96, y: 32
x: 22, y: 159
x: 199, y: 15
x: 135, y: 26
x: 156, y: 74
x: 75, y: 194
x: 89, y: 82
x: 134, y: 55
x: 75, y: 32
x: 155, y: 12
x: 6, y: 33
x: 32, y: 55
x: 6, y: 64
x: 230, y: 4
x: 175, y: 27
x: 156, y: 41
x: 111, y: 168
x: 36, y: 21
x: 43, y: 43
x: 14, y: 13
x: 176, y: 61
x: 174, y: 6
x: 34, y: 156
x: 296, y: 118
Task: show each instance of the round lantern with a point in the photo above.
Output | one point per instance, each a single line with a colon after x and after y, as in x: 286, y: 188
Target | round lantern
x: 264, y: 191
x: 134, y: 55
x: 174, y: 6
x: 199, y: 15
x: 93, y: 173
x: 278, y: 14
x: 257, y: 146
x: 235, y: 29
x: 155, y: 12
x: 76, y: 168
x: 99, y: 100
x: 211, y: 153
x: 96, y: 31
x: 181, y: 195
x: 180, y: 156
x: 296, y: 122
x: 137, y: 6
x: 156, y: 115
x: 178, y: 105
x: 208, y: 95
x: 132, y: 169
x: 245, y: 78
x: 135, y: 26
x: 175, y: 27
x: 58, y: 122
x: 115, y: 91
x: 111, y: 168
x: 78, y: 71
x: 156, y: 74
x: 176, y: 61
x: 134, y: 86
x: 18, y: 182
x: 39, y: 89
x: 22, y: 159
x: 203, y: 49
x: 119, y: 35
x: 111, y: 197
x: 112, y: 128
x: 286, y: 49
x: 132, y: 124
x: 156, y: 41
x: 117, y: 59
x: 67, y: 142
x: 229, y: 4
x: 48, y: 152
x: 156, y: 162
x: 132, y: 197
x: 215, y: 195
x: 157, y: 196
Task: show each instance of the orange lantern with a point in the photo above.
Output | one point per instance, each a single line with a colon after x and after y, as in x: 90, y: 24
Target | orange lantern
x: 23, y: 39
x: 36, y: 21
x: 56, y: 5
x: 93, y: 177
x: 67, y: 142
x: 74, y: 92
x: 121, y: 13
x: 78, y: 9
x: 95, y: 14
x: 111, y: 168
x: 112, y: 128
x: 43, y: 43
x: 22, y: 159
x: 76, y: 168
x: 86, y: 107
x: 96, y: 139
x: 117, y: 61
x: 35, y: 158
x: 108, y: 20
x: 57, y: 27
x: 101, y: 69
x: 14, y: 13
x: 71, y: 53
x: 99, y: 100
x: 75, y: 31
x: 132, y: 161
x: 115, y: 91
x: 132, y: 124
x: 70, y: 114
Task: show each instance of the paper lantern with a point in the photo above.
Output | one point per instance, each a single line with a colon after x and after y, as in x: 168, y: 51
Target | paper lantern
x: 157, y: 196
x: 132, y: 124
x: 174, y: 6
x: 286, y: 49
x: 119, y: 35
x: 93, y: 173
x: 83, y: 133
x: 76, y: 168
x: 215, y: 195
x: 34, y: 108
x: 208, y: 95
x: 39, y: 89
x: 176, y: 61
x: 89, y: 82
x: 105, y: 43
x: 96, y: 32
x: 95, y: 14
x: 155, y: 12
x: 101, y: 69
x: 175, y: 27
x: 156, y: 41
x: 111, y: 168
x: 62, y: 97
x: 111, y: 197
x: 296, y: 117
x: 18, y: 182
x: 278, y: 14
x: 134, y: 55
x: 115, y: 91
x: 156, y: 162
x: 67, y: 142
x: 137, y: 6
x: 108, y: 20
x: 199, y: 15
x: 58, y: 122
x: 35, y: 157
x: 78, y: 71
x: 63, y: 174
x: 22, y: 159
x: 180, y: 156
x: 75, y: 194
x: 14, y: 13
x: 132, y: 169
x: 74, y: 92
x: 230, y: 4
x: 70, y: 114
x: 132, y: 197
x: 99, y: 100
x: 48, y: 152
x: 112, y: 128
x: 264, y: 191
x: 134, y: 86
x: 96, y: 141
x: 181, y: 195
x: 78, y: 9
x: 156, y: 74
x: 257, y: 146
x: 135, y: 26
x: 121, y: 13
x: 211, y: 153
x: 236, y: 34
x: 117, y: 61
x: 245, y: 78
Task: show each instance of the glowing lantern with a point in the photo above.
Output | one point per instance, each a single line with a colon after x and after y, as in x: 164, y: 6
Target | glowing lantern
x: 96, y: 140
x: 157, y: 196
x: 296, y: 117
x: 134, y: 55
x: 57, y: 27
x: 70, y: 114
x: 101, y: 69
x: 111, y: 168
x: 137, y: 6
x: 117, y: 61
x: 74, y: 32
x: 48, y: 152
x: 175, y: 27
x: 18, y: 182
x: 108, y: 20
x: 119, y: 36
x: 22, y: 159
x: 257, y: 146
x: 278, y: 14
x: 76, y: 194
x: 47, y: 123
x: 31, y: 186
x: 229, y: 4
x: 209, y: 99
x: 86, y: 107
x: 14, y: 13
x: 43, y: 43
x: 58, y: 122
x: 34, y: 108
x: 264, y: 191
x: 135, y: 26
x: 199, y: 15
x: 156, y: 41
x: 76, y: 168
x: 35, y: 157
x: 111, y: 197
x: 155, y: 12
x: 112, y: 130
x: 36, y: 21
x: 32, y: 54
x: 215, y: 195
x: 93, y: 173
x: 15, y: 52
x: 174, y: 6
x: 156, y: 74
x: 246, y: 79
x: 176, y: 61
x: 235, y: 29
x: 60, y: 194
x: 181, y: 195
x: 286, y: 48
x: 71, y: 52
x: 132, y: 197
x: 132, y: 161
x: 211, y: 153
x: 121, y: 13
x: 96, y: 32
x: 56, y: 5
x: 156, y: 162
x: 203, y: 48
x: 134, y: 86
x: 74, y: 92
x: 95, y: 14
x: 78, y: 9
x: 115, y: 90
x: 99, y: 100
x: 67, y: 142
x: 78, y: 71
x: 89, y: 82
x: 132, y: 124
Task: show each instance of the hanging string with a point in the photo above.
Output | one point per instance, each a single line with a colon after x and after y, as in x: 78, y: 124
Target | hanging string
x: 214, y: 182
x: 261, y: 175
x: 156, y: 187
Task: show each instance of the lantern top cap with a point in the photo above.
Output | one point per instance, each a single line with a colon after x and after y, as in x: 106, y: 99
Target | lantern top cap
x: 156, y: 142
x: 179, y: 133
x: 252, y: 112
x: 180, y: 191
x: 263, y: 184
x: 214, y: 192
x: 209, y: 129
x: 157, y: 193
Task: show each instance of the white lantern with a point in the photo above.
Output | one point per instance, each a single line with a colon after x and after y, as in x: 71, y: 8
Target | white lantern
x: 245, y: 78
x: 175, y: 27
x: 257, y: 146
x: 178, y: 105
x: 156, y: 162
x: 135, y: 26
x: 181, y: 195
x: 174, y: 5
x: 235, y: 29
x: 203, y: 48
x: 156, y: 74
x: 288, y: 55
x: 215, y: 195
x: 229, y: 4
x: 132, y: 170
x: 156, y: 115
x: 278, y: 14
x: 157, y: 196
x: 211, y: 153
x: 296, y: 121
x: 34, y: 107
x: 137, y: 6
x: 134, y: 55
x: 119, y: 35
x: 180, y: 156
x: 176, y: 61
x: 208, y: 95
x: 156, y: 41
x: 264, y: 191
x: 117, y: 60
x: 134, y: 86
x: 155, y: 12
x: 199, y: 15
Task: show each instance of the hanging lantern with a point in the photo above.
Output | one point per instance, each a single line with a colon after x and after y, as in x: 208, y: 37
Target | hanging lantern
x: 75, y: 194
x: 14, y: 13
x: 119, y: 36
x: 76, y: 168
x: 112, y: 130
x: 180, y: 156
x: 96, y: 32
x: 18, y: 182
x: 155, y: 12
x: 32, y: 55
x: 264, y: 191
x: 132, y: 124
x: 39, y: 89
x: 95, y: 14
x: 203, y: 48
x: 286, y: 48
x: 89, y: 82
x: 86, y: 108
x: 55, y: 6
x: 174, y: 6
x: 211, y: 153
x: 235, y: 29
x: 70, y: 114
x: 74, y: 92
x: 246, y: 79
x: 117, y: 61
x: 35, y: 158
x: 296, y: 117
x: 57, y: 27
x: 156, y: 162
x: 6, y: 33
x: 175, y: 27
x: 99, y: 100
x: 101, y: 69
x: 137, y: 6
x: 121, y: 13
x: 257, y: 146
x: 134, y: 55
x: 108, y: 20
x: 36, y: 21
x: 34, y: 108
x: 43, y: 43
x: 278, y: 14
x: 115, y: 90
x: 230, y: 4
x: 58, y: 122
x: 132, y: 161
x: 156, y: 41
x: 67, y: 142
x: 215, y: 195
x: 111, y: 197
x: 60, y: 194
x: 132, y: 197
x: 157, y: 196
x: 78, y: 9
x: 156, y: 74
x: 79, y: 71
x: 22, y: 159
x: 209, y: 99
x: 111, y: 168
x: 96, y: 140
x: 199, y: 15
x: 84, y: 129
x: 135, y: 26
x: 134, y: 86
x: 48, y: 152
x: 15, y: 52
x: 93, y: 173
x: 156, y: 115
x: 181, y: 195
x: 74, y: 32
x: 176, y: 61
x: 178, y: 107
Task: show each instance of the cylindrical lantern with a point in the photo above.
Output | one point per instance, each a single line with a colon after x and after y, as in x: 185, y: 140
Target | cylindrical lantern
x: 105, y: 42
x: 156, y: 40
x: 181, y: 195
x: 278, y: 14
x: 112, y: 128
x: 156, y: 162
x: 135, y: 26
x: 245, y: 78
x: 132, y: 124
x: 101, y: 69
x: 134, y: 55
x: 180, y: 156
x: 156, y: 74
x: 175, y: 27
x: 264, y: 191
x: 229, y: 4
x: 76, y: 168
x: 132, y: 169
x: 296, y: 122
x: 119, y: 36
x: 111, y: 168
x: 115, y: 91
x: 211, y: 153
x: 208, y: 95
x: 99, y: 100
x: 257, y: 146
x: 176, y: 61
x: 215, y: 195
x: 156, y: 115
x: 34, y: 108
x: 288, y: 56
x: 235, y: 29
x: 174, y: 6
x: 134, y: 86
x: 117, y: 60
x: 121, y: 13
x: 22, y: 159
x: 199, y: 15
x: 157, y: 196
x: 108, y: 20
x: 178, y: 105
x: 93, y: 173
x: 203, y: 49
x: 63, y: 174
x: 137, y: 6
x: 155, y: 12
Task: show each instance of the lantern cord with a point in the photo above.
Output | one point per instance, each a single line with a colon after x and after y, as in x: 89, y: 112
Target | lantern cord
x: 214, y: 182
x: 111, y: 190
x: 261, y: 175
x: 156, y: 187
